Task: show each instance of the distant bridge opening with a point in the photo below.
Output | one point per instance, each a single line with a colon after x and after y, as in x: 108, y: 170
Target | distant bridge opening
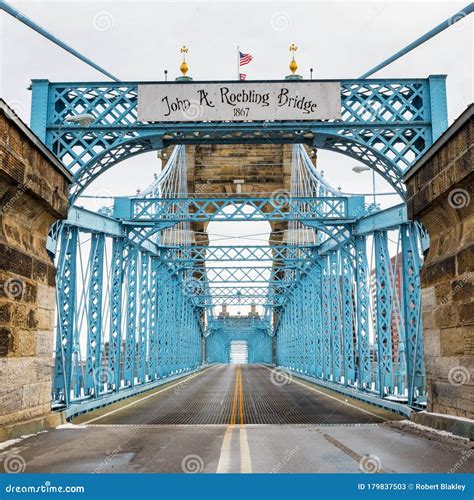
x: 239, y: 352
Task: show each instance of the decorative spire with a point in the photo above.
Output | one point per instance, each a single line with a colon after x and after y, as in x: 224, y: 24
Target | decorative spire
x: 184, y: 65
x: 293, y: 64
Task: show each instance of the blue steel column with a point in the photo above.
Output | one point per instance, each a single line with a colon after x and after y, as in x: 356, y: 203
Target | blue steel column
x: 347, y: 313
x: 362, y: 309
x: 143, y: 318
x: 162, y: 323
x: 131, y: 298
x: 326, y: 315
x: 318, y: 330
x: 383, y: 334
x: 66, y: 297
x: 438, y: 105
x: 310, y: 306
x: 307, y: 320
x: 173, y: 323
x: 412, y: 312
x: 153, y: 329
x: 115, y: 337
x: 93, y: 380
x: 39, y: 109
x: 335, y: 316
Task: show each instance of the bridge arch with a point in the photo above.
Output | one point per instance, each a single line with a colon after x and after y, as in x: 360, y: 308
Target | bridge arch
x: 105, y: 160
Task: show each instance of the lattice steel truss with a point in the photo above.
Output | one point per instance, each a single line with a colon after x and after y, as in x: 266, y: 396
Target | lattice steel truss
x: 134, y: 306
x: 387, y: 124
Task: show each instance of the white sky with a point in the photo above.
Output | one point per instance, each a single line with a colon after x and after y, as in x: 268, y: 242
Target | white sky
x: 137, y: 40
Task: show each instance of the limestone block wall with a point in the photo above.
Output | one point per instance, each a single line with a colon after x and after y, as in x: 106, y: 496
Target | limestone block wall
x: 441, y: 195
x: 33, y: 194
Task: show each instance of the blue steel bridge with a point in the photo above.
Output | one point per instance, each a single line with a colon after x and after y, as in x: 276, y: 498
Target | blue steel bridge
x: 151, y: 360
x: 152, y: 365
x: 139, y: 303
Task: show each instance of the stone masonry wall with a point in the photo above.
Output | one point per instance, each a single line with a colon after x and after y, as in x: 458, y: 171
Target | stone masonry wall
x: 33, y: 194
x: 212, y: 169
x: 441, y: 195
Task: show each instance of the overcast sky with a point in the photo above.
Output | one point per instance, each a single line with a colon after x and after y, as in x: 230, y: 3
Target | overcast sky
x: 137, y: 40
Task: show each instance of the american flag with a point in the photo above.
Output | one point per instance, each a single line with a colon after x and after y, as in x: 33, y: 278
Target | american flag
x: 243, y: 76
x: 245, y: 58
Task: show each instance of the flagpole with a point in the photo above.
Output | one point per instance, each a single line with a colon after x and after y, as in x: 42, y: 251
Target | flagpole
x: 238, y: 63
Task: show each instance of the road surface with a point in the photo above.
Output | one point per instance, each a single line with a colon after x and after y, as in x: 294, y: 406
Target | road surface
x: 240, y: 418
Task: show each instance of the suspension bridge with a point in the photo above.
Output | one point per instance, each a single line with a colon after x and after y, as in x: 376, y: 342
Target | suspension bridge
x: 302, y: 353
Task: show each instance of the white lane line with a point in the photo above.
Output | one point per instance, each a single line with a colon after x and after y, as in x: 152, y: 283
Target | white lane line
x: 291, y: 379
x: 245, y: 460
x: 145, y: 397
x: 224, y: 458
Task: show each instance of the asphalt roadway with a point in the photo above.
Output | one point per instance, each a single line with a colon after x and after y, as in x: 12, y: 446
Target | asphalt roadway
x: 240, y: 418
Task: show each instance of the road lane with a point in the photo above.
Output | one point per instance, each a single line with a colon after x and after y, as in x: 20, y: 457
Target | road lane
x: 245, y: 418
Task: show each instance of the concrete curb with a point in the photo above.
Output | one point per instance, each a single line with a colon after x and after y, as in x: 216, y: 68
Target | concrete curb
x: 448, y: 423
x: 18, y: 429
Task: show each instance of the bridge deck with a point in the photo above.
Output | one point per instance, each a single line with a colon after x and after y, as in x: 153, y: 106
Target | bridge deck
x: 240, y: 419
x: 254, y: 392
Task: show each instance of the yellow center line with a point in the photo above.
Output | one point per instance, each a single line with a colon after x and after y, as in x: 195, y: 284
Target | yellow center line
x: 241, y: 398
x: 245, y: 460
x: 233, y: 413
x: 224, y: 458
x: 237, y: 412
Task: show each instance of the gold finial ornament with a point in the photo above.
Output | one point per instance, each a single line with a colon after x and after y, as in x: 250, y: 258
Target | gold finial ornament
x: 293, y: 64
x: 184, y: 65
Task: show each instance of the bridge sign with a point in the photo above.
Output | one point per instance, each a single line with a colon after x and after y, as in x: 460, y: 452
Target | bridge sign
x: 195, y: 102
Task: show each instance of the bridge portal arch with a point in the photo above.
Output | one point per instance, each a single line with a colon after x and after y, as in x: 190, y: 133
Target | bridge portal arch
x: 385, y: 124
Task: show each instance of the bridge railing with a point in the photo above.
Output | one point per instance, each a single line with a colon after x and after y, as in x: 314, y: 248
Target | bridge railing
x: 362, y: 328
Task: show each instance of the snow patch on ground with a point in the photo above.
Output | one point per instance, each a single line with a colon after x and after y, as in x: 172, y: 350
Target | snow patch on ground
x: 11, y: 442
x: 70, y: 426
x: 425, y: 428
x: 450, y: 417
